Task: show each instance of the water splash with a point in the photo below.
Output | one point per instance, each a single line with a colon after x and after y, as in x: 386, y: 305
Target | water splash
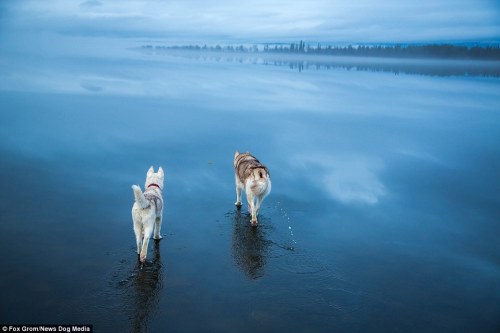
x: 286, y: 217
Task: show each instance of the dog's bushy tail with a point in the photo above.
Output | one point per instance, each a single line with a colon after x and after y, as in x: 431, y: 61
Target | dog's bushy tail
x: 139, y: 197
x: 261, y: 185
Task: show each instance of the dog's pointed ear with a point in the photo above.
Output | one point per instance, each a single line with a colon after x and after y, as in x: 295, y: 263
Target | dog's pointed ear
x: 151, y: 170
x: 160, y: 172
x: 236, y: 154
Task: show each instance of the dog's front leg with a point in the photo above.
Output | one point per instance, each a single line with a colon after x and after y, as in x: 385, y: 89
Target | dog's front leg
x: 238, y: 193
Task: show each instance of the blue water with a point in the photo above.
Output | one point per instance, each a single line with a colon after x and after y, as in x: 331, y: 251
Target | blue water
x: 384, y: 213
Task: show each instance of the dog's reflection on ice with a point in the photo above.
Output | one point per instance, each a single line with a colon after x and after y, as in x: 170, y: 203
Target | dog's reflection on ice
x: 249, y: 246
x: 142, y: 291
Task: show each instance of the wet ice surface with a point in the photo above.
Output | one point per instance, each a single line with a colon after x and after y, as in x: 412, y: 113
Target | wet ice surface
x: 383, y: 214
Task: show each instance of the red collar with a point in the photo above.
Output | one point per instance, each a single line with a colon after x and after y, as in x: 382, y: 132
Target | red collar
x: 156, y: 185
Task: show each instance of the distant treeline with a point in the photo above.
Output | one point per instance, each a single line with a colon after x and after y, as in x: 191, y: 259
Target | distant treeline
x: 216, y: 48
x: 447, y: 51
x: 398, y: 51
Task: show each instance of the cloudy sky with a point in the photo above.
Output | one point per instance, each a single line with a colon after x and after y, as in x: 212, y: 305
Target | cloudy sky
x: 260, y: 21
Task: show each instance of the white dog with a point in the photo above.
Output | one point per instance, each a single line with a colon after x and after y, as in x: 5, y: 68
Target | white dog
x: 253, y: 177
x: 147, y: 210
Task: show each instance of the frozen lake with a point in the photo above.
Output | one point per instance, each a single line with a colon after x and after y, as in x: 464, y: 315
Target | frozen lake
x: 384, y: 213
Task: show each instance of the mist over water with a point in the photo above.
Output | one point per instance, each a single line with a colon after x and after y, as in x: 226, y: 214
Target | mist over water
x: 383, y: 213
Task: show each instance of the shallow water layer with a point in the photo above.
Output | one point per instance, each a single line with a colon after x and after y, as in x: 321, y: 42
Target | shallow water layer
x: 383, y: 214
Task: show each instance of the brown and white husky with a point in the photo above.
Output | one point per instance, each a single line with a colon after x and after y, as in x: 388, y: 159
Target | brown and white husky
x: 148, y: 210
x: 253, y: 177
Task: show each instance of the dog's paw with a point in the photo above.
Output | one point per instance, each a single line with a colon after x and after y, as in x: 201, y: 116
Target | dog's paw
x: 254, y: 223
x: 238, y: 203
x: 142, y: 258
x: 158, y: 237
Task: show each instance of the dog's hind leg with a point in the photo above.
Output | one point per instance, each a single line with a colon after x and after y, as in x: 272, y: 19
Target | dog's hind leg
x: 158, y: 227
x: 138, y: 235
x: 250, y: 199
x: 148, y: 231
x: 258, y: 201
